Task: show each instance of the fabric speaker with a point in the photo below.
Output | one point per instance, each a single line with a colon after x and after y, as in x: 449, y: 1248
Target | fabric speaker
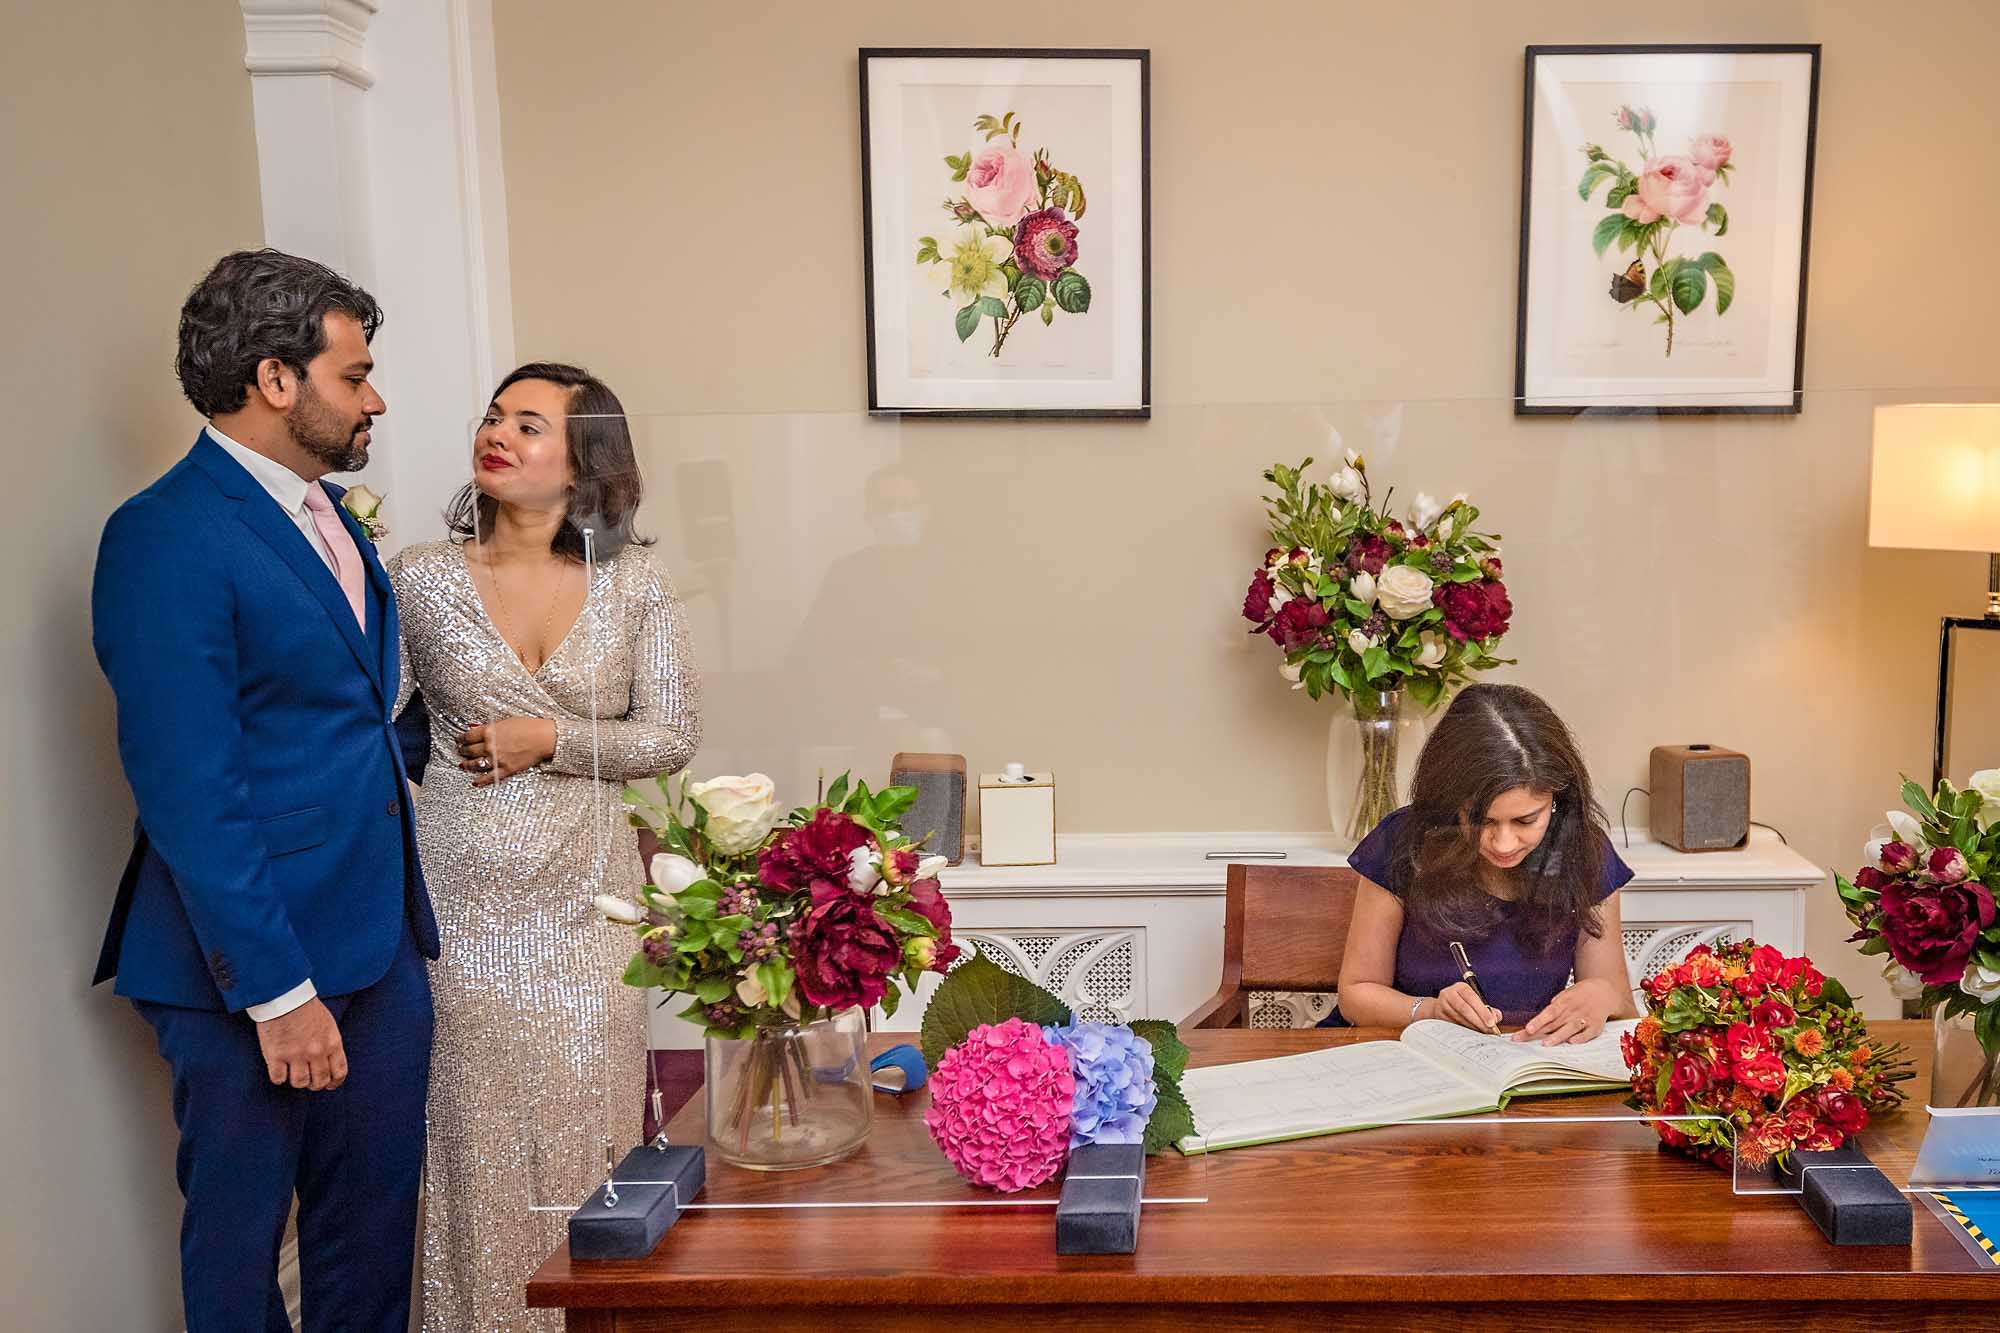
x: 1701, y: 797
x: 938, y: 813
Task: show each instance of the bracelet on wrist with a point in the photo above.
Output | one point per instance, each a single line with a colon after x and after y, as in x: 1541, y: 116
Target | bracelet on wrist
x: 1415, y: 1005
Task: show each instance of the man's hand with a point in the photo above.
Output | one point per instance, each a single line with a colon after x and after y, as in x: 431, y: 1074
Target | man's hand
x: 303, y: 1048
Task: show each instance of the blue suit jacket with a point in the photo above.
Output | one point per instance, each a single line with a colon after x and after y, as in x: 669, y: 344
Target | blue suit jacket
x: 275, y: 840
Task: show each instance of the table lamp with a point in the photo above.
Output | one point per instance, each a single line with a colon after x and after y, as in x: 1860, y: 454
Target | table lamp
x: 1934, y: 485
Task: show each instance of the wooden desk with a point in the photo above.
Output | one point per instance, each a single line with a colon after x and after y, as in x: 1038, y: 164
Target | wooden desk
x: 1402, y: 1228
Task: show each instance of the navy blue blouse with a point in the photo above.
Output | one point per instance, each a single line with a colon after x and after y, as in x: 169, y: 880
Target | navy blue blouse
x: 1514, y: 981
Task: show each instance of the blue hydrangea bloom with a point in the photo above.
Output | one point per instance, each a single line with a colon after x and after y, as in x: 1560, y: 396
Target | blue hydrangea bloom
x: 1113, y: 1068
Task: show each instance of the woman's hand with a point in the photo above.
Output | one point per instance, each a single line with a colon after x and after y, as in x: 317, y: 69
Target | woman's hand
x: 1459, y: 1003
x: 502, y: 748
x: 1577, y: 1014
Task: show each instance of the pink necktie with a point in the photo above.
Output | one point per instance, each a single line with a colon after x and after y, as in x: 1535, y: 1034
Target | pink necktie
x: 346, y: 557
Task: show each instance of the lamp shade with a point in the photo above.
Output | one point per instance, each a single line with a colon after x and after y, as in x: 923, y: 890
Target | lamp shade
x: 1935, y: 481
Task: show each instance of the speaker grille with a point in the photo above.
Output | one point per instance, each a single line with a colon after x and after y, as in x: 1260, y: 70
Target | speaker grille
x: 1715, y: 802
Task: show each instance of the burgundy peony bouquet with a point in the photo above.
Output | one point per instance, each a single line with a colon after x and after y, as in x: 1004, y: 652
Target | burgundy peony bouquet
x: 1766, y: 1048
x: 765, y: 922
x: 1360, y: 600
x: 1926, y: 899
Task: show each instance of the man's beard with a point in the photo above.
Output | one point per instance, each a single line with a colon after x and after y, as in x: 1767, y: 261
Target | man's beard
x: 321, y: 432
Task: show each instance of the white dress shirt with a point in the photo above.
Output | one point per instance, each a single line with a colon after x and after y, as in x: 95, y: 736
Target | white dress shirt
x: 288, y: 488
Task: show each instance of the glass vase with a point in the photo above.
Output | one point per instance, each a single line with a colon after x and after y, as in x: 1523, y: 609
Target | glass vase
x: 1963, y: 1073
x: 792, y: 1096
x: 1371, y: 755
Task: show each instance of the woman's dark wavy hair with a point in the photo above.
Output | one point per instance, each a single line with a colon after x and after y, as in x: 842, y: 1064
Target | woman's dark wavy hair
x: 1492, y: 739
x: 604, y: 488
x: 254, y: 305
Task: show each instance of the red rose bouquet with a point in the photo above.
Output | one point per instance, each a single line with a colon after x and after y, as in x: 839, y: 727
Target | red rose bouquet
x: 1768, y: 1044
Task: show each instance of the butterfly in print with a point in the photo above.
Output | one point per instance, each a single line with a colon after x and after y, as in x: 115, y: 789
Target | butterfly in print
x: 1630, y: 285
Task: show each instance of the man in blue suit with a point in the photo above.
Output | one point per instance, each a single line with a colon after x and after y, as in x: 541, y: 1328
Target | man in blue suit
x: 273, y: 922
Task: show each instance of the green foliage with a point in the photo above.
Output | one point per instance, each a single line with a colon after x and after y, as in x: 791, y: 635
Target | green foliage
x: 1072, y: 292
x: 1609, y: 228
x: 1029, y: 292
x: 927, y: 250
x: 1172, y: 1119
x: 1718, y: 218
x: 959, y: 165
x: 979, y: 992
x: 966, y: 321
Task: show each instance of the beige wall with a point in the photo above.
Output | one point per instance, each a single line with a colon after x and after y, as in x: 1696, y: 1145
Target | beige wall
x: 1335, y: 215
x: 130, y: 164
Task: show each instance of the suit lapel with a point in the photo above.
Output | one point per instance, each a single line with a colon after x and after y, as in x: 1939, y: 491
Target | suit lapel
x: 263, y: 517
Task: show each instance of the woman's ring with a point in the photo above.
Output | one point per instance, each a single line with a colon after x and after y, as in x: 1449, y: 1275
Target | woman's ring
x: 485, y: 764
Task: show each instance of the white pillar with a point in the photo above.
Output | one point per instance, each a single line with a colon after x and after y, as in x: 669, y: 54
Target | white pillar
x: 378, y: 149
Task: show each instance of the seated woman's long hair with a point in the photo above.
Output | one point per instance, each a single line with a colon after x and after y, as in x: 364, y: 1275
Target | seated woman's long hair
x: 606, y: 490
x: 1492, y: 739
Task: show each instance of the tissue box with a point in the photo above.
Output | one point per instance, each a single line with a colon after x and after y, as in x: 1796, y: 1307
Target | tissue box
x: 1849, y: 1198
x: 1017, y: 820
x: 631, y: 1228
x: 1098, y: 1212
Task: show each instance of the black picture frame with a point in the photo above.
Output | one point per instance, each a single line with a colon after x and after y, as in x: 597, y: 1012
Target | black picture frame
x: 1524, y: 392
x: 1140, y: 408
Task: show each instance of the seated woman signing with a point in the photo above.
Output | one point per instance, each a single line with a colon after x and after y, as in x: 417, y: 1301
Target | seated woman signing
x: 1501, y: 851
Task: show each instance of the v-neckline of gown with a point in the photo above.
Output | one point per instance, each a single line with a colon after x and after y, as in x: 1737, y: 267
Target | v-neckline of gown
x: 493, y: 626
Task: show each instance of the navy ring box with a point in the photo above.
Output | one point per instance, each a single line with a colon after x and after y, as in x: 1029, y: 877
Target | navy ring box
x: 632, y: 1227
x: 1098, y: 1212
x: 1849, y: 1198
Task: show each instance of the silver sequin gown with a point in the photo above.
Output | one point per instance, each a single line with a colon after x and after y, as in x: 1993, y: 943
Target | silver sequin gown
x: 539, y: 1055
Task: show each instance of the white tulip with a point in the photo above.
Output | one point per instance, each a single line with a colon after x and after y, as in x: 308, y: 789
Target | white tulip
x: 673, y: 872
x: 1903, y: 983
x: 1359, y: 642
x: 1908, y: 829
x: 1431, y: 648
x: 1362, y: 588
x: 1346, y: 484
x: 1424, y: 510
x: 1278, y: 600
x: 932, y: 866
x: 1982, y: 983
x: 1987, y: 783
x: 864, y: 868
x: 1291, y: 670
x: 1871, y: 851
x: 622, y: 910
x: 1404, y: 592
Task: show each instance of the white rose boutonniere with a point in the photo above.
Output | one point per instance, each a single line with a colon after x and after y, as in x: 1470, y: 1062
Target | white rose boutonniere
x: 365, y: 508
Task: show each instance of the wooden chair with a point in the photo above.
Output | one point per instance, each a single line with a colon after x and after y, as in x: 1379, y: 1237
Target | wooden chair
x: 1284, y: 929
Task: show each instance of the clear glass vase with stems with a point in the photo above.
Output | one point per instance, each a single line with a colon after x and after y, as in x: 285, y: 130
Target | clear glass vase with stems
x: 1964, y: 1073
x: 1371, y: 755
x: 794, y: 1095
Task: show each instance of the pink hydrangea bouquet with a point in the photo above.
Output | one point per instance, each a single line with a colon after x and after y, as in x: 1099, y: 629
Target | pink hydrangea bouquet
x: 1018, y: 1081
x: 1926, y: 900
x: 1016, y: 248
x: 767, y: 922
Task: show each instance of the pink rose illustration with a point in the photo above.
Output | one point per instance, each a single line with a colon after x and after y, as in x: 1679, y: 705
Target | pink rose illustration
x: 1001, y: 184
x: 1711, y: 154
x: 1669, y: 187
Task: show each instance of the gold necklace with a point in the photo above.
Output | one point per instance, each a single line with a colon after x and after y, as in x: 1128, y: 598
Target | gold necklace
x: 507, y: 621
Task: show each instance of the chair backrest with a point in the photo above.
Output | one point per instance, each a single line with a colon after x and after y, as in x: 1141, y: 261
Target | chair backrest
x: 1285, y: 927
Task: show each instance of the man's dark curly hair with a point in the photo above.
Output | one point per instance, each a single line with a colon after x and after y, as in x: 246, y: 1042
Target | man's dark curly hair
x: 254, y: 305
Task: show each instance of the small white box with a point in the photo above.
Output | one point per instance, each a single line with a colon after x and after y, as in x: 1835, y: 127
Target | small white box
x: 1017, y: 820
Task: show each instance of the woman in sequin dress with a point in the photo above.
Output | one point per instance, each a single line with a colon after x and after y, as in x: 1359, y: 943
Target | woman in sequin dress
x: 540, y: 1050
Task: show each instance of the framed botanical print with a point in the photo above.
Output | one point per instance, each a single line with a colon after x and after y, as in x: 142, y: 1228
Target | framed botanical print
x: 1005, y: 232
x: 1666, y: 197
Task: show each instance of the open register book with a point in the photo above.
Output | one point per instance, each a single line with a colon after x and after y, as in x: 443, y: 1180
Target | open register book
x: 1437, y: 1070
